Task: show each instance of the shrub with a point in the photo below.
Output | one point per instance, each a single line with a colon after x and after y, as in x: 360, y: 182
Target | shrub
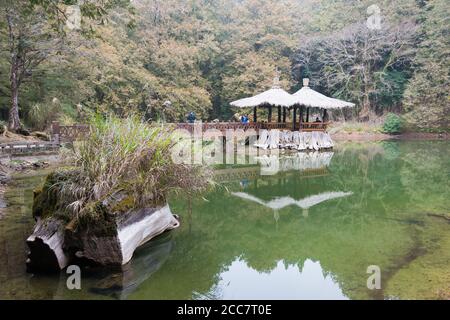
x: 40, y: 116
x: 392, y: 124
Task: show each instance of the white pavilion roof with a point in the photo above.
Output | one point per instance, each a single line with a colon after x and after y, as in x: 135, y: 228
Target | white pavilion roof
x: 311, y: 98
x: 275, y: 96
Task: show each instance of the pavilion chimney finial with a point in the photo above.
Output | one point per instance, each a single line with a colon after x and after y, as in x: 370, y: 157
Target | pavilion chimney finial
x: 276, y: 80
x: 306, y: 82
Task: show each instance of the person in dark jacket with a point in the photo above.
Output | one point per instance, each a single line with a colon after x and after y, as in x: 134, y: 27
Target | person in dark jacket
x: 191, y: 117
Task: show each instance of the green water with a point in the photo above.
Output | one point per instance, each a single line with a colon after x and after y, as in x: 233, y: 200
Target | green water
x: 292, y: 235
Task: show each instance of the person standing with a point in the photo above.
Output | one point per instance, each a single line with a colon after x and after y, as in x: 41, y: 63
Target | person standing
x: 191, y: 117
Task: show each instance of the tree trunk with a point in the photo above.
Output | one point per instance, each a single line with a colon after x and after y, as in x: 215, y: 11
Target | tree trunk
x: 365, y: 114
x: 14, y: 121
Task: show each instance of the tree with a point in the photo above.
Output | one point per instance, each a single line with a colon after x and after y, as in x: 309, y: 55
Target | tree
x: 427, y: 100
x: 356, y: 62
x: 30, y: 42
x: 35, y: 32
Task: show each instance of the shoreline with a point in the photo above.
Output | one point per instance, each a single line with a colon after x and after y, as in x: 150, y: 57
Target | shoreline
x: 367, y: 136
x: 29, y: 163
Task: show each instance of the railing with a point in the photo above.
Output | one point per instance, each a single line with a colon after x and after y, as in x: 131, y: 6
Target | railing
x: 314, y: 126
x: 28, y: 147
x: 70, y: 133
x: 274, y: 125
x: 221, y: 126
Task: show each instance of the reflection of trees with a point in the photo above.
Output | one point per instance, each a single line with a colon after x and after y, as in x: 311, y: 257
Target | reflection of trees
x: 345, y: 235
x: 15, y: 227
x: 425, y: 175
x: 365, y: 169
x: 225, y: 229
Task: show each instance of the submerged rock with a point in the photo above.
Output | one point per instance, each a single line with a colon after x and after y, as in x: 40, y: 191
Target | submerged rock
x: 108, y: 235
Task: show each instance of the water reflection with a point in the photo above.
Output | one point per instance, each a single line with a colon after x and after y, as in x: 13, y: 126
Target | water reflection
x: 369, y: 204
x: 146, y: 261
x: 284, y: 281
x: 281, y: 202
x: 300, y: 161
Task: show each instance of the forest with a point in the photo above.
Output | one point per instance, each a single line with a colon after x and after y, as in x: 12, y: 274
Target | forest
x: 131, y: 57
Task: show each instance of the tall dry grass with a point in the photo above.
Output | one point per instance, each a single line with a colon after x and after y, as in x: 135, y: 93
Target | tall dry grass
x: 126, y: 155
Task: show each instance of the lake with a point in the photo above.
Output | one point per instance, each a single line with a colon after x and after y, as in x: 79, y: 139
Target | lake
x: 289, y: 227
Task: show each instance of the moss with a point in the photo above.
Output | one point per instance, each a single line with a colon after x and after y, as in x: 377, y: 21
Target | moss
x: 45, y: 198
x: 96, y: 220
x: 124, y: 205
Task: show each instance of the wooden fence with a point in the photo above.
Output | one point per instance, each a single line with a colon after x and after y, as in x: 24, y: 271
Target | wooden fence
x: 68, y: 133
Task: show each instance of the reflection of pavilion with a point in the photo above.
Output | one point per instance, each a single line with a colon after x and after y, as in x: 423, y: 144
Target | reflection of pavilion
x: 278, y: 203
x: 273, y: 165
x: 310, y: 164
x: 302, y: 161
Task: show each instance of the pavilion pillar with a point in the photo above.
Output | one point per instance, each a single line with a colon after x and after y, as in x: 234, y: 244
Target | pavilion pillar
x: 307, y: 114
x: 294, y: 118
x: 269, y: 119
x: 324, y: 115
x: 254, y: 115
x: 301, y: 118
x: 279, y: 114
x: 284, y: 115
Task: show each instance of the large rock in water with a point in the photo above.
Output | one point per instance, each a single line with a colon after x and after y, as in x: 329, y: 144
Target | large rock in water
x: 56, y: 243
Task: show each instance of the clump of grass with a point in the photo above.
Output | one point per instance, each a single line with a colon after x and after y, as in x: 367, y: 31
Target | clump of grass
x: 124, y: 155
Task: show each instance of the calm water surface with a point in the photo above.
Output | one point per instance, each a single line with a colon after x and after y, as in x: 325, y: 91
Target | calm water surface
x: 297, y: 234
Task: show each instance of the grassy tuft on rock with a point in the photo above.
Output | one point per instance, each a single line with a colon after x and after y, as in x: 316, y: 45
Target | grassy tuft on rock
x: 119, y: 158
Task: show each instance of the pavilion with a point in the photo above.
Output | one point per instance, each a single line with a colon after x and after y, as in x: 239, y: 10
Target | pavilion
x: 303, y: 101
x: 274, y: 97
x: 307, y: 99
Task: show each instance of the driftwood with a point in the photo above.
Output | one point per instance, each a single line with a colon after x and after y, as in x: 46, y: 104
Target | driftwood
x: 46, y: 246
x: 54, y: 245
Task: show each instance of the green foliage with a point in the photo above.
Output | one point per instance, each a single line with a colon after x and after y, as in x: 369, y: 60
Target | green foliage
x: 201, y: 55
x: 41, y: 116
x: 392, y: 124
x: 427, y: 99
